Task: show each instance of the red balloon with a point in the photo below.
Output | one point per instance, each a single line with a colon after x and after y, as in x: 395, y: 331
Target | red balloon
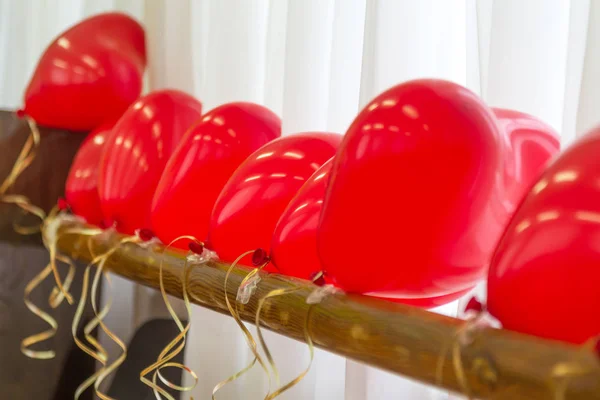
x: 89, y: 74
x: 204, y: 160
x: 81, y: 189
x: 294, y: 243
x: 532, y: 144
x: 415, y: 190
x: 250, y: 204
x: 544, y: 275
x: 136, y: 154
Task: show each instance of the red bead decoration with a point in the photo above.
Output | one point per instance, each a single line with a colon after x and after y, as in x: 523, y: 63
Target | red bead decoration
x: 320, y: 281
x: 145, y: 234
x: 474, y: 305
x: 196, y: 247
x: 259, y: 257
x: 62, y: 204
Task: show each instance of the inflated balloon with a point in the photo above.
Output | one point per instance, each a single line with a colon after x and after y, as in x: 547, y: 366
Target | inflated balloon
x: 203, y: 162
x: 294, y: 243
x: 415, y: 185
x: 252, y: 201
x: 544, y: 276
x: 89, y: 74
x: 136, y: 153
x: 532, y: 144
x: 81, y: 190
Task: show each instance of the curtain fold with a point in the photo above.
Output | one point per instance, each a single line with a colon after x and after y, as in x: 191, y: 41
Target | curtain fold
x: 316, y: 63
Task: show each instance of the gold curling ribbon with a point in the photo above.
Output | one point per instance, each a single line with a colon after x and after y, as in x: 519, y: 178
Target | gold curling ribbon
x: 307, y: 338
x: 177, y: 345
x: 454, y: 346
x: 106, y: 370
x: 99, y: 353
x: 25, y: 158
x: 236, y: 316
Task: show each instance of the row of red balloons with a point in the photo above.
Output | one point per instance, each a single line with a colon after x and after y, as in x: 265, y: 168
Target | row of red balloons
x: 408, y: 205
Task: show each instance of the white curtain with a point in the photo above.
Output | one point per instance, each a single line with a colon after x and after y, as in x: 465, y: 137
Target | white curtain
x: 315, y: 63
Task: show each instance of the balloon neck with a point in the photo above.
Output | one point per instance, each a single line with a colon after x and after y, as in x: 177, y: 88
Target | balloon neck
x: 108, y: 223
x: 20, y: 113
x: 145, y: 234
x: 63, y: 204
x: 474, y: 305
x: 260, y: 257
x: 318, y: 278
x: 196, y: 247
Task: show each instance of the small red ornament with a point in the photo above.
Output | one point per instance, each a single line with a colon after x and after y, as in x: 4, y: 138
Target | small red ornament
x: 62, y: 204
x: 320, y: 281
x: 145, y: 234
x: 196, y: 247
x: 474, y: 305
x: 259, y: 257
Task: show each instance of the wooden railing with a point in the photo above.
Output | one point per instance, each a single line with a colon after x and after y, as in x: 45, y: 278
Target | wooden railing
x: 496, y: 364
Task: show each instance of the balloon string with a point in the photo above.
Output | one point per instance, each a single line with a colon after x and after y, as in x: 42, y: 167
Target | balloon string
x: 248, y: 336
x: 100, y: 272
x: 45, y: 335
x: 177, y: 345
x: 99, y: 353
x: 455, y: 347
x: 25, y: 158
x: 307, y: 338
x: 50, y: 238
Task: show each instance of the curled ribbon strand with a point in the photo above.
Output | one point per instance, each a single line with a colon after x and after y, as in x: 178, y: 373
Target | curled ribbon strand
x: 107, y: 369
x: 99, y: 353
x: 25, y: 157
x: 45, y: 335
x: 177, y: 345
x: 307, y: 338
x: 236, y: 316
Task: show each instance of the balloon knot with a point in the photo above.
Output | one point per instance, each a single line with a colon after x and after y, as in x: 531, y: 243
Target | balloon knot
x: 145, y: 234
x: 597, y: 347
x: 259, y: 257
x: 474, y: 305
x: 63, y: 204
x: 196, y: 247
x: 20, y: 113
x: 318, y: 278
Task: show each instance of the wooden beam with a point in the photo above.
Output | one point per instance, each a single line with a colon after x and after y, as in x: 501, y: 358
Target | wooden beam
x: 44, y: 181
x: 405, y: 340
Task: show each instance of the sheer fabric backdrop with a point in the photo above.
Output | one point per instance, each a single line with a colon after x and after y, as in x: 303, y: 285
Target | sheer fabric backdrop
x: 315, y: 63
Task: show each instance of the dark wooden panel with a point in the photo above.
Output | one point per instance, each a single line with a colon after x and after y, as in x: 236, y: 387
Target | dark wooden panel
x: 43, y: 182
